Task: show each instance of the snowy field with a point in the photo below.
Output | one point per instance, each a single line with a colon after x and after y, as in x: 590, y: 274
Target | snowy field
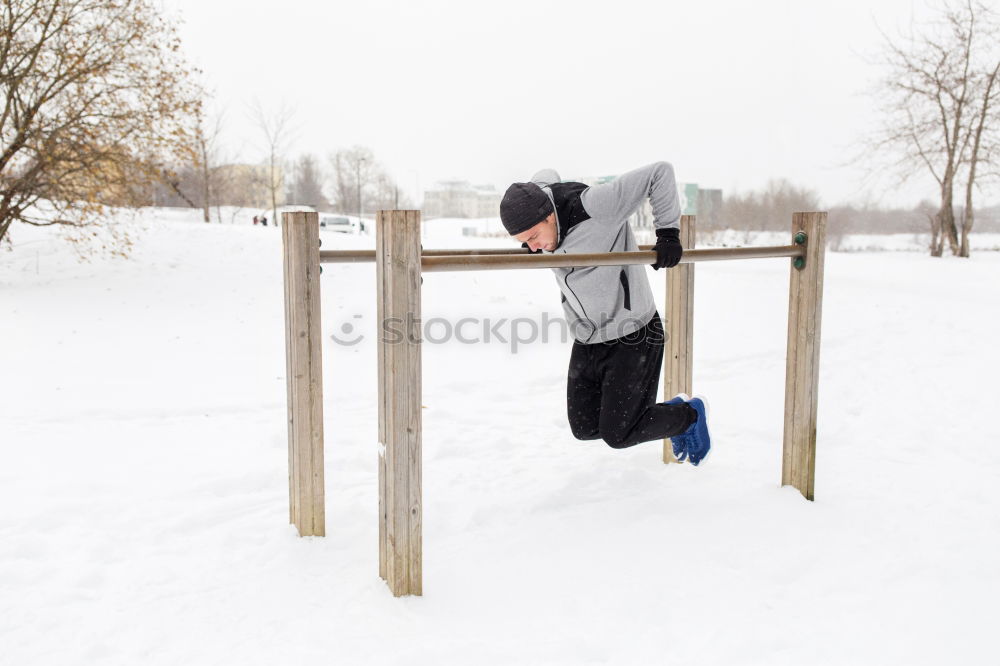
x: 143, y: 472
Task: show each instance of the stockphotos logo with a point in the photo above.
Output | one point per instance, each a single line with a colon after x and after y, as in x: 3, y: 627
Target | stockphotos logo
x: 515, y: 332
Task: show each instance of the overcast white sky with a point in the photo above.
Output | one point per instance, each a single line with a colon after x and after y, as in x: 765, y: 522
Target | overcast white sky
x: 732, y: 93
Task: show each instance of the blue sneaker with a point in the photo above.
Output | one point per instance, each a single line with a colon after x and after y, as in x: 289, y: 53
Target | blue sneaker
x: 679, y: 443
x: 699, y: 442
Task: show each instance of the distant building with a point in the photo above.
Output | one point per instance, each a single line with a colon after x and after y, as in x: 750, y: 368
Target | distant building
x: 709, y: 208
x: 458, y: 198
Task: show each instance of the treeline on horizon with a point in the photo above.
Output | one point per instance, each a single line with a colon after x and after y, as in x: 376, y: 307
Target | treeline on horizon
x: 771, y: 207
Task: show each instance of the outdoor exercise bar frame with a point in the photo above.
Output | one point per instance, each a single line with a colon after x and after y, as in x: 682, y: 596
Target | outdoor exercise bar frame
x: 400, y: 261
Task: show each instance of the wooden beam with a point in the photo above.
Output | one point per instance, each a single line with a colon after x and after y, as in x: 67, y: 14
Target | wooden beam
x: 678, y: 347
x: 400, y: 504
x: 805, y: 308
x: 304, y: 372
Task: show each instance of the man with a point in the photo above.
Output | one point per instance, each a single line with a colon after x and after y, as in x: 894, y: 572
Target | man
x: 614, y: 368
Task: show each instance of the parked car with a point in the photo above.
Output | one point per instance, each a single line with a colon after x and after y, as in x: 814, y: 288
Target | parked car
x: 341, y: 223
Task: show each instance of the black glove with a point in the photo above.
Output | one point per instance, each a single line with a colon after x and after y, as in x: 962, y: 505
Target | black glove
x: 668, y: 248
x: 525, y: 246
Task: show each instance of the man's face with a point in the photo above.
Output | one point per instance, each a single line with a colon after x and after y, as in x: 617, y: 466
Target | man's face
x: 542, y: 235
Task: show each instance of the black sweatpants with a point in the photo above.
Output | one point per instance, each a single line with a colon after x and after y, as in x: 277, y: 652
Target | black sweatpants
x: 611, y: 390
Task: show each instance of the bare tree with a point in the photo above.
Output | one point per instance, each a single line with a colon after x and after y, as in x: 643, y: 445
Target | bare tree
x: 275, y: 127
x: 360, y: 183
x: 979, y: 151
x: 306, y: 186
x: 224, y: 183
x: 385, y: 193
x: 207, y: 139
x: 98, y: 102
x: 936, y: 97
x: 353, y: 169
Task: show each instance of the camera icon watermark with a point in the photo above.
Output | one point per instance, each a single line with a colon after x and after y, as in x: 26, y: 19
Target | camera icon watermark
x: 348, y: 335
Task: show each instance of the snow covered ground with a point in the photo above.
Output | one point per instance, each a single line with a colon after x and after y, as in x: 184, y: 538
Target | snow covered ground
x: 143, y: 479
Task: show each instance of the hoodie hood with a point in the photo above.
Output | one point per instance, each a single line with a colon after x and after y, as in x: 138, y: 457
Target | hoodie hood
x: 545, y: 179
x: 567, y: 202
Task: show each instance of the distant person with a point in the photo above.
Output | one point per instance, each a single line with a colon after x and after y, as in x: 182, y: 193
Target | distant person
x: 614, y: 367
x: 263, y: 220
x: 255, y: 220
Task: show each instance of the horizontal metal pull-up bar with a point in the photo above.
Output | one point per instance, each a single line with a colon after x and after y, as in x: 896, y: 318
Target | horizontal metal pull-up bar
x: 430, y: 264
x: 508, y: 259
x: 360, y: 256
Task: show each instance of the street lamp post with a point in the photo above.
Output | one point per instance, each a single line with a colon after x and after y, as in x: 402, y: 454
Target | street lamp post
x: 358, y: 174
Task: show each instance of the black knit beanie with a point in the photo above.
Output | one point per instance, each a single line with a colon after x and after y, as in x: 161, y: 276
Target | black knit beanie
x: 524, y: 205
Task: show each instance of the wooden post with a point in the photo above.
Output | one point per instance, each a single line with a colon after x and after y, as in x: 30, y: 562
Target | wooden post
x: 397, y: 259
x: 304, y: 372
x: 381, y: 398
x: 805, y: 307
x: 678, y: 350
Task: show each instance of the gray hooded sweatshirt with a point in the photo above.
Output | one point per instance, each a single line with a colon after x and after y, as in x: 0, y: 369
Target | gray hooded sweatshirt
x: 602, y: 303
